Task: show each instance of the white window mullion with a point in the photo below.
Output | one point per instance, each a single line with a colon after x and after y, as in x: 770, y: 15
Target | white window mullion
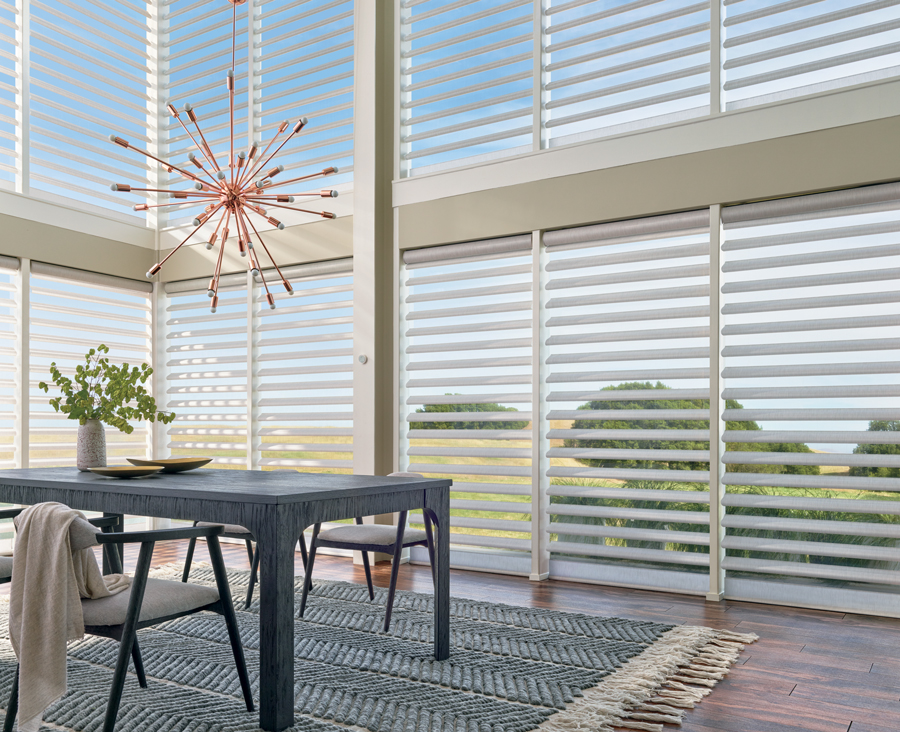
x: 253, y: 442
x: 716, y: 407
x: 23, y: 98
x: 22, y: 419
x: 540, y: 538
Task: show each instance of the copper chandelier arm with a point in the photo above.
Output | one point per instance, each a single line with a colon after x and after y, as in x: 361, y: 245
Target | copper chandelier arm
x: 194, y: 202
x: 201, y: 148
x: 321, y: 174
x: 254, y: 260
x: 156, y: 267
x: 323, y: 214
x: 301, y: 123
x: 128, y: 146
x: 266, y: 249
x: 254, y: 169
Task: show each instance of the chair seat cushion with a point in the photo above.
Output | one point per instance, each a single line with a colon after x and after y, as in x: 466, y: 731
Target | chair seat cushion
x: 161, y: 598
x: 372, y: 534
x: 6, y: 567
x: 238, y: 531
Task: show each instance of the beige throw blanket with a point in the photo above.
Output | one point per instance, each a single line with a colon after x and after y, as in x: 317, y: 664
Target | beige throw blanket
x: 48, y: 582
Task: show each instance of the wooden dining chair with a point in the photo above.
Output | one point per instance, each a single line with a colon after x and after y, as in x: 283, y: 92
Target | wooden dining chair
x: 233, y: 531
x: 372, y: 538
x: 105, y: 523
x: 148, y: 602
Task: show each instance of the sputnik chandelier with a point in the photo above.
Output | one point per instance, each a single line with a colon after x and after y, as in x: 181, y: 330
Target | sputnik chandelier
x: 232, y: 191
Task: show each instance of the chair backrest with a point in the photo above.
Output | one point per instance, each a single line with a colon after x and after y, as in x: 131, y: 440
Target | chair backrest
x: 405, y: 475
x: 82, y: 535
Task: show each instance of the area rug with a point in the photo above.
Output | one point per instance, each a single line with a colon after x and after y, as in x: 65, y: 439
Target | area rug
x: 512, y: 669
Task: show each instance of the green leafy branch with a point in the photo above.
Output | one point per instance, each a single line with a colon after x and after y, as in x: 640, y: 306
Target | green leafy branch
x: 113, y: 394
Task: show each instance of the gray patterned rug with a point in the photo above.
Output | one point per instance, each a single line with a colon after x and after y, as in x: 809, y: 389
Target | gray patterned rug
x: 512, y: 669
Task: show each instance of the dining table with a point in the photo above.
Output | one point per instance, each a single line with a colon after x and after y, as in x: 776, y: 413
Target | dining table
x: 276, y: 506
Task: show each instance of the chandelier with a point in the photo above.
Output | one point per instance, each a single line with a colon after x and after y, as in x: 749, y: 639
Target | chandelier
x: 234, y: 191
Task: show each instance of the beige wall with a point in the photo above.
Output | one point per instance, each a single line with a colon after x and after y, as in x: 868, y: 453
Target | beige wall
x: 44, y: 242
x: 314, y: 242
x: 846, y: 156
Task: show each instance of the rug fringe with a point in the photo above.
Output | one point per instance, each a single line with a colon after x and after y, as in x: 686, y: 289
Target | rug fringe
x: 656, y: 687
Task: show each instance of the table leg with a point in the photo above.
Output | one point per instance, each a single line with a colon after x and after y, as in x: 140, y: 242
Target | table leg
x: 276, y: 537
x: 437, y: 503
x: 107, y: 569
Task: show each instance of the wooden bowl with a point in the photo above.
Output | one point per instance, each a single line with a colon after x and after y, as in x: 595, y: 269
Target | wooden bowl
x: 173, y: 465
x: 126, y: 471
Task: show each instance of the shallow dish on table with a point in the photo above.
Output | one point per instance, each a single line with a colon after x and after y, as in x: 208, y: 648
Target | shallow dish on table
x: 126, y: 471
x: 173, y: 465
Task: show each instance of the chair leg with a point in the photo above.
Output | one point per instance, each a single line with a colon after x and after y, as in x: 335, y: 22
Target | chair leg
x: 311, y: 560
x: 365, y: 558
x: 234, y: 635
x: 188, y: 559
x: 254, y: 571
x: 129, y: 635
x: 304, y: 557
x: 138, y: 664
x: 429, y: 535
x: 395, y: 568
x: 249, y: 545
x: 13, y: 707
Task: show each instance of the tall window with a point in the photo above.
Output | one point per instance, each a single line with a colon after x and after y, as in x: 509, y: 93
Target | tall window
x: 811, y: 354
x: 260, y: 388
x: 89, y: 76
x: 72, y: 312
x: 466, y: 391
x: 466, y: 81
x: 207, y: 372
x: 304, y: 359
x: 627, y: 390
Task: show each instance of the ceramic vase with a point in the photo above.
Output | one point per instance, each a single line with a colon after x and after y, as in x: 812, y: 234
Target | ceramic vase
x: 91, y: 445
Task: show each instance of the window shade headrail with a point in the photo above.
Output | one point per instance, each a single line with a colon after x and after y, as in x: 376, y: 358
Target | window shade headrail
x: 465, y: 250
x: 315, y: 269
x: 614, y: 232
x: 812, y: 204
x: 9, y: 263
x: 201, y: 283
x: 88, y: 278
x: 292, y: 272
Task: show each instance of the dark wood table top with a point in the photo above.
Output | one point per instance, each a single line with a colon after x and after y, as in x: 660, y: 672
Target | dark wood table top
x: 238, y: 486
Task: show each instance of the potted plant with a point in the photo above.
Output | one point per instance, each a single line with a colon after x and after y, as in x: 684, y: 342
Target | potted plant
x: 102, y: 393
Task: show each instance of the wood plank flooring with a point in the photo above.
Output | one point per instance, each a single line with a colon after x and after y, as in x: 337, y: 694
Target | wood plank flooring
x: 810, y: 671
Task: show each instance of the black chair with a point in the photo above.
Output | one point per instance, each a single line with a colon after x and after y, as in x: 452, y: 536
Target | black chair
x: 371, y: 538
x: 233, y: 531
x: 106, y: 523
x: 148, y: 602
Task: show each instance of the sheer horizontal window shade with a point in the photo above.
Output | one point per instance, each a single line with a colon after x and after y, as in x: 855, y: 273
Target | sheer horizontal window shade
x: 628, y: 446
x: 466, y: 389
x: 73, y: 311
x: 10, y: 378
x: 305, y: 370
x: 621, y: 67
x: 88, y: 75
x: 304, y: 67
x: 810, y: 349
x: 198, y: 52
x: 466, y: 81
x: 206, y: 371
x: 779, y: 49
x: 10, y: 91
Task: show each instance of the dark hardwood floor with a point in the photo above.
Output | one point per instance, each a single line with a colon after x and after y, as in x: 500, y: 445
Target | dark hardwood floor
x: 811, y: 670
